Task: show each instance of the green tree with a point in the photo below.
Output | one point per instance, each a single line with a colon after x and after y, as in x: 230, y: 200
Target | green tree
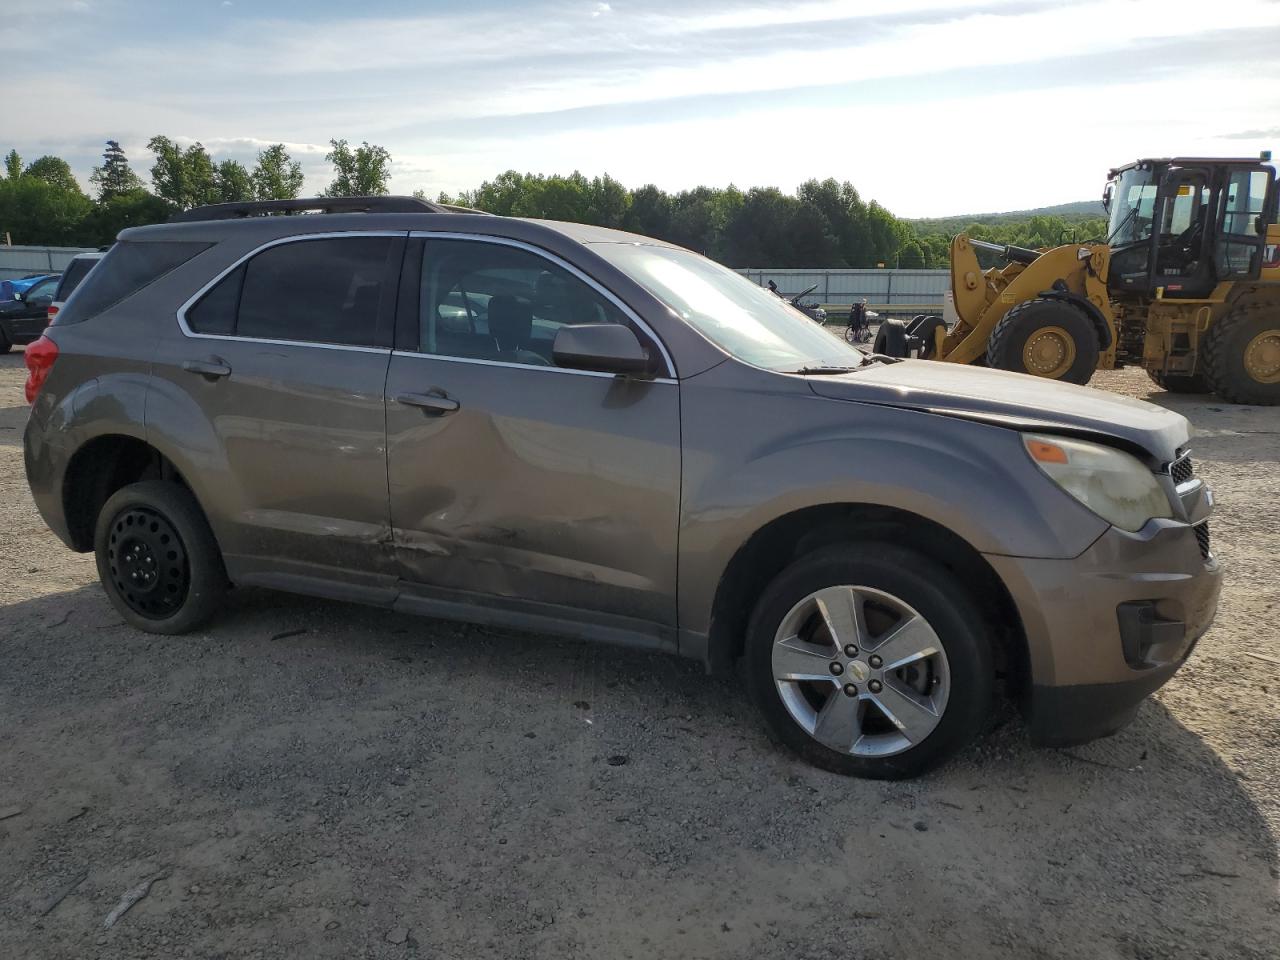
x: 649, y: 212
x: 114, y: 177
x: 185, y: 178
x: 232, y: 182
x: 54, y: 171
x: 607, y: 202
x: 912, y: 256
x: 277, y: 176
x: 12, y: 165
x: 35, y: 212
x: 362, y: 172
x: 133, y: 208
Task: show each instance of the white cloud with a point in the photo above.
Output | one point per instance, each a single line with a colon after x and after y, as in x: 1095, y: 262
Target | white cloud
x: 912, y: 135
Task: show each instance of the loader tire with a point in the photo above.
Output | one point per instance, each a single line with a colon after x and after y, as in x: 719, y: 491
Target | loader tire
x: 1242, y: 355
x: 1179, y: 382
x: 891, y: 339
x: 1045, y: 338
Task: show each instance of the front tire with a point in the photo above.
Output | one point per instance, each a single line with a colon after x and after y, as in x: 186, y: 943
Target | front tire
x: 1179, y: 382
x: 157, y: 559
x: 5, y: 344
x: 870, y: 660
x: 1045, y: 338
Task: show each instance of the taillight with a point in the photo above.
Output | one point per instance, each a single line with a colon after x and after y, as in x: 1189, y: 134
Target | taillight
x: 40, y: 357
x: 50, y: 314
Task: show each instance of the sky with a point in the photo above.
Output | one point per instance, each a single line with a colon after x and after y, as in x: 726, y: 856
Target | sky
x: 931, y: 107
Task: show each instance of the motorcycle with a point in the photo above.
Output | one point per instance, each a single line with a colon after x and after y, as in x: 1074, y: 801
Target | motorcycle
x: 810, y: 310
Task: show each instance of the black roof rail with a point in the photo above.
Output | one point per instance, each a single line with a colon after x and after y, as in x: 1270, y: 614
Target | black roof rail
x: 457, y: 208
x: 259, y: 208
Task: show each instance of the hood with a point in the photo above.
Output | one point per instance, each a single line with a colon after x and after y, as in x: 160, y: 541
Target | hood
x: 1015, y: 400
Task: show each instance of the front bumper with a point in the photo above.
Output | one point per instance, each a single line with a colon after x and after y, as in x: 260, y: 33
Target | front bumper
x: 1110, y: 627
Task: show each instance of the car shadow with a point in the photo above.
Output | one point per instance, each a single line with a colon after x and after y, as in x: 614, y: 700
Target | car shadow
x: 337, y: 771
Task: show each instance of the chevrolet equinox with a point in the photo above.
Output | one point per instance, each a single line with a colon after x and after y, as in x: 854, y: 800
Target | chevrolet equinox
x: 578, y: 431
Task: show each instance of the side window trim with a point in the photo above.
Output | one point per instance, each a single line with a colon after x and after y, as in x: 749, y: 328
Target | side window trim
x: 667, y: 374
x: 298, y: 238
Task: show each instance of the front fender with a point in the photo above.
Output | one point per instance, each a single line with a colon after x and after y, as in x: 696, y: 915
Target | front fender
x: 800, y: 451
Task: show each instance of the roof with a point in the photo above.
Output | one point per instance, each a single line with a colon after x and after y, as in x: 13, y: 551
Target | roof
x: 1192, y: 161
x: 262, y: 221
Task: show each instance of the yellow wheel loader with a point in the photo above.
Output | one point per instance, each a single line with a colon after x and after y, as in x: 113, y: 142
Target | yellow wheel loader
x: 1186, y: 285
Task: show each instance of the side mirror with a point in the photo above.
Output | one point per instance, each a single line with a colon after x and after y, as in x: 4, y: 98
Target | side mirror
x: 1106, y: 197
x: 18, y: 297
x: 604, y: 347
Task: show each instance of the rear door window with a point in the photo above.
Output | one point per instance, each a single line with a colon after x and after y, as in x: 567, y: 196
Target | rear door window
x: 128, y: 267
x: 76, y: 271
x: 326, y: 290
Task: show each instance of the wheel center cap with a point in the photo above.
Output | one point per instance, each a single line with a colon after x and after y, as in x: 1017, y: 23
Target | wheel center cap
x: 859, y: 671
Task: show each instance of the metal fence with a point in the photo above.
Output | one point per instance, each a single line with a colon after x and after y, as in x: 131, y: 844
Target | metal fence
x: 18, y: 262
x: 885, y: 290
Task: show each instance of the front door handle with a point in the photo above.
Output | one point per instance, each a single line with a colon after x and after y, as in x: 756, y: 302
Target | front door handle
x: 432, y: 403
x: 212, y: 368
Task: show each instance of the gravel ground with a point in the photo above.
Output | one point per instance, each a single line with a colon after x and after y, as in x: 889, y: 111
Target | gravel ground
x: 312, y: 779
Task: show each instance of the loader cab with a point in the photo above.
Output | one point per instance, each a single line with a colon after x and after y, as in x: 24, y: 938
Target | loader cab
x: 1179, y: 227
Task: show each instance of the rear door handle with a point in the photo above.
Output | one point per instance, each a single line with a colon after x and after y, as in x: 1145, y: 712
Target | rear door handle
x: 433, y: 403
x: 212, y: 368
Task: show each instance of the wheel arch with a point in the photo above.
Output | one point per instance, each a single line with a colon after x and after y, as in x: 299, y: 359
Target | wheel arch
x: 1088, y: 308
x: 100, y: 467
x: 777, y: 544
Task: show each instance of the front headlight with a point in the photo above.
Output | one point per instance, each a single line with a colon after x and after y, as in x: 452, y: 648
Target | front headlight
x: 1113, y: 484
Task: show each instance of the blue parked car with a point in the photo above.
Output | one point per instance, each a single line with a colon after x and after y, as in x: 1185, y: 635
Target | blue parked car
x: 9, y: 287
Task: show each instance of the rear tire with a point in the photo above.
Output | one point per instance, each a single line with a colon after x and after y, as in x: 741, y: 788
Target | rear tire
x: 1045, y: 338
x: 1242, y: 355
x: 157, y: 559
x: 1180, y: 382
x: 925, y: 331
x: 896, y: 585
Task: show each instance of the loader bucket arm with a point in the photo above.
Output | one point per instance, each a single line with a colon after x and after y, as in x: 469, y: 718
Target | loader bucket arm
x: 983, y: 298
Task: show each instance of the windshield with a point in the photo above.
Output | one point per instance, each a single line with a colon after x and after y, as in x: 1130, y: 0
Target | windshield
x: 742, y: 319
x: 1133, y: 207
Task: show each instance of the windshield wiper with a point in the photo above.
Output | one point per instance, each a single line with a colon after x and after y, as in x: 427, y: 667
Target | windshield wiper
x: 824, y: 371
x: 1124, y: 222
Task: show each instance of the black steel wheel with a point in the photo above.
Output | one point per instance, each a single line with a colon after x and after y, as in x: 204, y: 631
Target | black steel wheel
x: 148, y: 563
x: 157, y: 558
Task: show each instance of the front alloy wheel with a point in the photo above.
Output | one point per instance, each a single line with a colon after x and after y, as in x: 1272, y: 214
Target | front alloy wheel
x: 870, y: 659
x: 861, y: 671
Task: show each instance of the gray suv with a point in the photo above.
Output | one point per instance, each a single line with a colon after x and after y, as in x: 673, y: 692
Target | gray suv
x: 578, y: 431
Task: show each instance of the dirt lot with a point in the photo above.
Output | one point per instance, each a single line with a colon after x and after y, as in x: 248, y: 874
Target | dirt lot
x: 310, y: 779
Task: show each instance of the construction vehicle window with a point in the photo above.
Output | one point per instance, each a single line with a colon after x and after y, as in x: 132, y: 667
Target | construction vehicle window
x: 1133, y: 207
x: 1246, y: 198
x: 1187, y: 208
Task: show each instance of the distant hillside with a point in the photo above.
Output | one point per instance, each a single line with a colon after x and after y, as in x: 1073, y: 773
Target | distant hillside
x: 1077, y: 212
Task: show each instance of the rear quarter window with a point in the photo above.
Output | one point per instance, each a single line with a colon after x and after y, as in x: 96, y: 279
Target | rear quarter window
x: 127, y: 268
